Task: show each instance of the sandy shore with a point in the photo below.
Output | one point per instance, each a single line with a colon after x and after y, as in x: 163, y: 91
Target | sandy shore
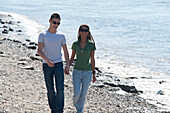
x: 22, y: 87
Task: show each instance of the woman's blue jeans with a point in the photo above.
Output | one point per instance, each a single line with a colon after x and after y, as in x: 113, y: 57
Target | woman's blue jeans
x: 81, y: 82
x: 55, y: 98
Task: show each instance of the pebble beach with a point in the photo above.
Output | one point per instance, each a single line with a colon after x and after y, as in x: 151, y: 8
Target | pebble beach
x: 22, y: 86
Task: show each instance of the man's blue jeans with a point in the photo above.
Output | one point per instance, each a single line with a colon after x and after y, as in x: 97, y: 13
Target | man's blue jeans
x: 81, y: 82
x: 55, y: 98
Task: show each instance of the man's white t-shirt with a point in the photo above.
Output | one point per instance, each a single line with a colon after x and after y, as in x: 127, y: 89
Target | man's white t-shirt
x: 52, y: 45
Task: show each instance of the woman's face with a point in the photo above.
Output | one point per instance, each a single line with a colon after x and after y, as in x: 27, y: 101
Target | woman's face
x: 84, y: 32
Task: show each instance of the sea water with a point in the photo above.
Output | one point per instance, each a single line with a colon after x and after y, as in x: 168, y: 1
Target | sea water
x: 132, y: 36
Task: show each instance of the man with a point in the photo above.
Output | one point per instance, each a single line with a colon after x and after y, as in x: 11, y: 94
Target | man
x: 49, y: 48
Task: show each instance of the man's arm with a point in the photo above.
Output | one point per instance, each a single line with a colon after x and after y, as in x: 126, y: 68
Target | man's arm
x: 66, y: 55
x: 41, y: 53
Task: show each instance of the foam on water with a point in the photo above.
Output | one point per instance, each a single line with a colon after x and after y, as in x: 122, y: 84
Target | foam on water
x: 146, y: 80
x: 30, y: 27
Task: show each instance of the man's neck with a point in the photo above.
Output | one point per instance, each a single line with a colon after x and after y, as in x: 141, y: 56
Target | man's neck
x: 52, y: 30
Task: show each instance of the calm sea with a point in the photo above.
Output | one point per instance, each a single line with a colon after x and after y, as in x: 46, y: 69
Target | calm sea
x: 133, y: 32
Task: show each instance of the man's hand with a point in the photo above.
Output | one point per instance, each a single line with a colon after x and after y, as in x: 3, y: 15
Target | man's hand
x: 50, y: 63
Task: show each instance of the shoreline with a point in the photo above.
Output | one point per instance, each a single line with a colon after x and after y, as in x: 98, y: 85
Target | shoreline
x: 23, y: 88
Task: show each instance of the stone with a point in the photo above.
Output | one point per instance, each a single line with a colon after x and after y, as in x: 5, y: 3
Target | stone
x: 28, y: 68
x: 5, y: 32
x: 1, y: 52
x: 160, y: 92
x: 18, y: 30
x: 10, y: 29
x: 31, y: 47
x: 35, y: 58
x: 28, y: 40
x: 2, y: 55
x: 22, y: 62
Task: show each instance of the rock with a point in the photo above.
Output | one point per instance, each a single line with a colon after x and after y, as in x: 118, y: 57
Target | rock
x: 5, y: 26
x: 18, y: 30
x: 31, y: 43
x: 131, y: 78
x: 96, y: 68
x: 160, y: 82
x: 1, y: 52
x: 36, y: 44
x: 28, y: 67
x: 22, y: 62
x: 17, y: 41
x: 2, y: 22
x: 28, y: 40
x: 35, y: 58
x: 5, y: 31
x: 24, y: 44
x: 37, y: 54
x: 10, y: 22
x: 2, y: 55
x: 160, y: 92
x: 10, y: 29
x: 31, y: 47
x: 129, y: 89
x: 24, y: 59
x: 99, y: 85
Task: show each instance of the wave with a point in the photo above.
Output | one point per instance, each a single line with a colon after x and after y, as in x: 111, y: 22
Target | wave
x: 29, y: 27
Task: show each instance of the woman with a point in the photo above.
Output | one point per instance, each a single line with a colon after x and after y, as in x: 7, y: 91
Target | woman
x: 84, y: 49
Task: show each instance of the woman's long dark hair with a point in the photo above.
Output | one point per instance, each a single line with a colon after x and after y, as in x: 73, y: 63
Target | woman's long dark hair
x: 89, y: 36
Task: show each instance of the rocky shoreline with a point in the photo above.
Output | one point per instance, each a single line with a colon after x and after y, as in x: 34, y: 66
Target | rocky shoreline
x: 22, y: 87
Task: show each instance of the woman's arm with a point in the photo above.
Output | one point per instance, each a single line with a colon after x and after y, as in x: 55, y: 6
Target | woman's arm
x: 72, y: 57
x: 93, y: 66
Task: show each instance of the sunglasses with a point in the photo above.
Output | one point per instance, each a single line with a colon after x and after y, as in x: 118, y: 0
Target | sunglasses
x: 84, y: 30
x: 56, y: 22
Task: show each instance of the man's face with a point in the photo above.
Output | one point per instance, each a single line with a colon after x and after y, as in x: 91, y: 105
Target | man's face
x: 54, y: 23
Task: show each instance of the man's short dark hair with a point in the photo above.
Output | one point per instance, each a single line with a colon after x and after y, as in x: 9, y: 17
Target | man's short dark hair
x: 55, y: 15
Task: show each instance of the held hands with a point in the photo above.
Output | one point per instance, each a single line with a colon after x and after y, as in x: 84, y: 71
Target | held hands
x: 66, y: 70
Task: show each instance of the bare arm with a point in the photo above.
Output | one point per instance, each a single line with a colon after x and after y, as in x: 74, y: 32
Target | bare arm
x: 66, y: 55
x: 93, y: 65
x: 41, y: 53
x: 72, y: 56
x: 92, y: 61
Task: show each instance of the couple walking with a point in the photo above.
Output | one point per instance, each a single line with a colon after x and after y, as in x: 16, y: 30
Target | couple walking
x: 50, y: 43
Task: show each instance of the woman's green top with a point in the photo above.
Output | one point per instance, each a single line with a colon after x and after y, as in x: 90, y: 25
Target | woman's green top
x: 83, y: 55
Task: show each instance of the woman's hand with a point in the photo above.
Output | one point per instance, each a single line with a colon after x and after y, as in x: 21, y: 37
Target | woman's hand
x: 94, y: 78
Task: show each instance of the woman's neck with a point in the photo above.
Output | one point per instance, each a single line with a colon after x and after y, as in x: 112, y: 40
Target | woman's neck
x: 83, y: 40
